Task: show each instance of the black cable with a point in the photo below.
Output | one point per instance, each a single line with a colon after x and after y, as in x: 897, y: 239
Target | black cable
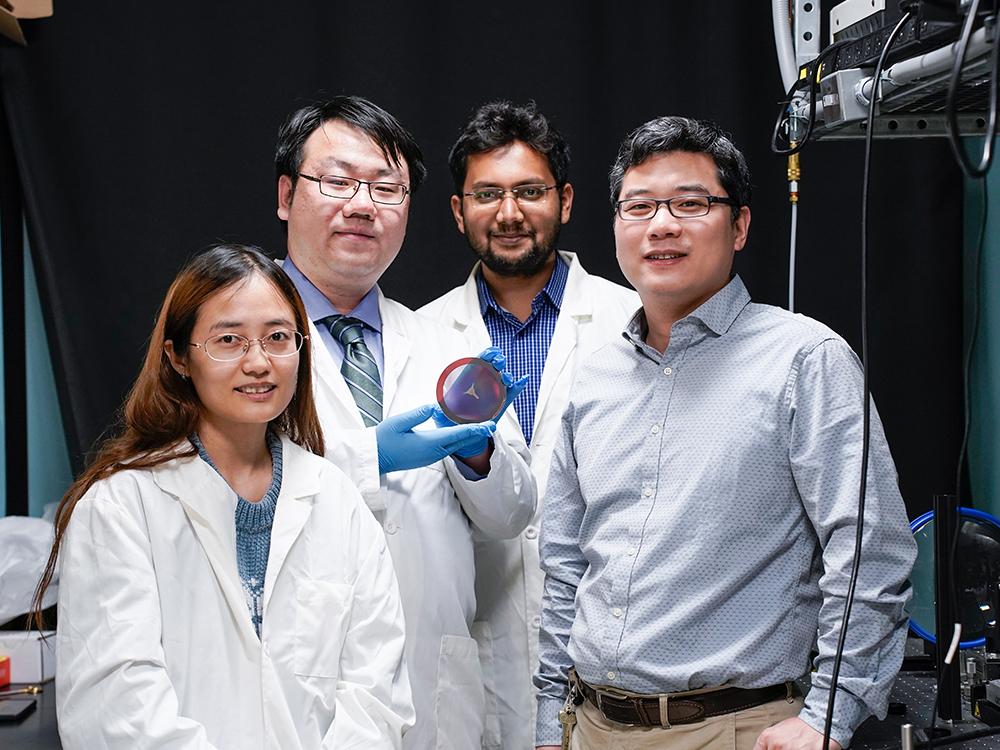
x: 866, y: 427
x: 811, y: 80
x: 967, y: 417
x: 951, y: 106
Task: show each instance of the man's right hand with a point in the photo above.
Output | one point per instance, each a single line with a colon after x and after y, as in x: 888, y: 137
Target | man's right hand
x: 401, y: 447
x: 792, y: 734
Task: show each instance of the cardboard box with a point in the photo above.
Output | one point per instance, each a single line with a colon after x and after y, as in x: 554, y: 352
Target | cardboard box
x: 4, y: 671
x: 32, y: 654
x: 13, y: 10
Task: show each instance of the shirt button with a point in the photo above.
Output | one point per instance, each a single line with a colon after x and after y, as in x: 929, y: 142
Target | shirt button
x: 391, y: 528
x: 655, y: 429
x: 668, y: 370
x: 647, y: 492
x: 630, y: 552
x: 611, y: 675
x: 530, y: 533
x: 617, y: 612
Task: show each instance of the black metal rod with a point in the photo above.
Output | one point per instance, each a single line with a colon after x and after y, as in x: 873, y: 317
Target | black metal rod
x: 14, y: 365
x: 946, y: 522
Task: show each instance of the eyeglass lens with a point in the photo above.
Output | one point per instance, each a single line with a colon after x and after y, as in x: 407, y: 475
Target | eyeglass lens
x: 345, y: 187
x: 521, y: 193
x: 681, y: 207
x: 229, y: 346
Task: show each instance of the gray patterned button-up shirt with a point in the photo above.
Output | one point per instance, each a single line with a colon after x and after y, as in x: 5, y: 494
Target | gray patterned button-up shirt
x: 700, y: 518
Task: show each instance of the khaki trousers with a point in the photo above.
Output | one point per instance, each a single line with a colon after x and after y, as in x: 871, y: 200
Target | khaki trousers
x: 735, y: 731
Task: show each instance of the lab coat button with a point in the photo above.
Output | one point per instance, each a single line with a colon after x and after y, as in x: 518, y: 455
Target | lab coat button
x: 530, y: 533
x: 391, y: 528
x: 536, y: 621
x: 267, y: 650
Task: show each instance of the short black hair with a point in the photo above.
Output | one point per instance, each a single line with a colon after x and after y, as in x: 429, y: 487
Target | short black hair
x: 496, y: 124
x: 389, y: 135
x: 664, y: 134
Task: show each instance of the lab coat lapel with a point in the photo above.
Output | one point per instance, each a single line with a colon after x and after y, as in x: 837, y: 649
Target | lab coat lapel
x: 395, y: 350
x: 465, y: 313
x: 209, y: 504
x: 576, y: 311
x: 295, y: 503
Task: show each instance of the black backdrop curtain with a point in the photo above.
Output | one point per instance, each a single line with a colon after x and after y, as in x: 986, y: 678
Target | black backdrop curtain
x: 144, y: 131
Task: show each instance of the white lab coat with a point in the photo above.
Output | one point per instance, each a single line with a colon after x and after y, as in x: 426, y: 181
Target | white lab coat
x: 430, y: 517
x: 155, y: 645
x: 508, y: 576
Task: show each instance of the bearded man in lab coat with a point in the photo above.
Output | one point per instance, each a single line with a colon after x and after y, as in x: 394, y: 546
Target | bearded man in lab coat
x: 544, y: 312
x: 346, y: 172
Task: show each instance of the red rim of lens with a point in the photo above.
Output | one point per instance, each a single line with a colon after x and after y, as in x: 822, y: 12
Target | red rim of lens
x: 489, y: 368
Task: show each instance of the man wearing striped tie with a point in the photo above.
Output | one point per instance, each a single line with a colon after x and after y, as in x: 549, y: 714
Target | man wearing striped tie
x: 346, y: 174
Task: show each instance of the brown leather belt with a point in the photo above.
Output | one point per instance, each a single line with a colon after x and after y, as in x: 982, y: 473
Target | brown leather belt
x: 666, y: 709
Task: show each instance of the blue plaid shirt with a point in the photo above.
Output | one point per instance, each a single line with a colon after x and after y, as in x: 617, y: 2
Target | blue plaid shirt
x: 525, y: 345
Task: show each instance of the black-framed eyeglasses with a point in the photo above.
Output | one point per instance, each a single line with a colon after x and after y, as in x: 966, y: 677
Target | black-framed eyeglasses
x: 345, y: 188
x: 228, y: 347
x: 681, y: 206
x: 522, y: 194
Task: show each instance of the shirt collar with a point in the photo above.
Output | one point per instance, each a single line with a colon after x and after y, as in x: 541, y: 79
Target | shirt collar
x: 718, y: 312
x: 557, y: 282
x: 319, y: 307
x: 553, y: 289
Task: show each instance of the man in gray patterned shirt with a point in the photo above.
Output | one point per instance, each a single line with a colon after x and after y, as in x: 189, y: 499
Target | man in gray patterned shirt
x: 701, y: 510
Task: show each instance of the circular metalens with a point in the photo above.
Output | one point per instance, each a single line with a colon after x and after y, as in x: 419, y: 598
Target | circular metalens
x: 470, y: 390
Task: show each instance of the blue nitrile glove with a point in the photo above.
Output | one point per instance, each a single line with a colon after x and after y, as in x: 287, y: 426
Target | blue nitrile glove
x: 495, y: 357
x: 514, y: 387
x: 401, y: 447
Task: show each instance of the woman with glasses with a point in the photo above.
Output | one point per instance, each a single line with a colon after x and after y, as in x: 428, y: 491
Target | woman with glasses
x: 221, y: 586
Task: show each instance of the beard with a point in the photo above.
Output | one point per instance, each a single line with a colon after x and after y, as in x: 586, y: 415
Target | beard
x: 528, y: 263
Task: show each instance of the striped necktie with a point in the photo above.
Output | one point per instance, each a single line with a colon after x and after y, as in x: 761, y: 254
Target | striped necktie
x: 359, y: 368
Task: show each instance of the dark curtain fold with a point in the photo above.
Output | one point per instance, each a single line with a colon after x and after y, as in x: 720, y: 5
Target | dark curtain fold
x: 145, y: 131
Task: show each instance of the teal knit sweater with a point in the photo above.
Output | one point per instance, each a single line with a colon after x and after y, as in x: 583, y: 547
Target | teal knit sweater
x: 253, y: 531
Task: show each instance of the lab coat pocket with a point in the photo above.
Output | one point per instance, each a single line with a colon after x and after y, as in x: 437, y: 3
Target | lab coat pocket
x: 483, y: 634
x: 322, y: 618
x: 459, y: 704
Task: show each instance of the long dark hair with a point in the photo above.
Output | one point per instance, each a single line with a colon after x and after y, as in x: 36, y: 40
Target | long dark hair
x: 163, y: 408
